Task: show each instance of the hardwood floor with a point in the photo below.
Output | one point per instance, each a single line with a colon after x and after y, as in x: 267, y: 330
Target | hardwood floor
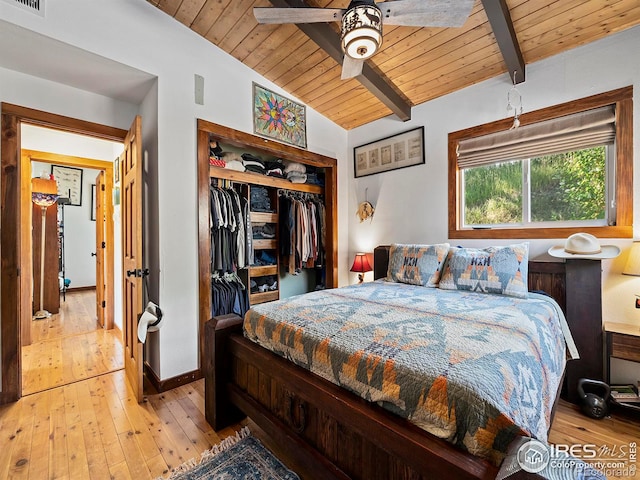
x: 69, y: 346
x: 94, y: 429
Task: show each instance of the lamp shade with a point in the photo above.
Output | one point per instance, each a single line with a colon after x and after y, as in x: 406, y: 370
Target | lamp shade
x: 44, y: 185
x: 44, y: 191
x: 361, y: 30
x: 361, y: 264
x: 633, y: 262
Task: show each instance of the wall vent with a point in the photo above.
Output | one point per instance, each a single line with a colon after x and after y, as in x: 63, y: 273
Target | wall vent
x: 33, y: 6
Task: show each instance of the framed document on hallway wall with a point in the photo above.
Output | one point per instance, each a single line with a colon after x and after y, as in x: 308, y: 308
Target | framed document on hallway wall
x: 69, y: 180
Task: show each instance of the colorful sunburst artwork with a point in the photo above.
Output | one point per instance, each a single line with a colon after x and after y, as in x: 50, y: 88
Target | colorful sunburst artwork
x: 277, y: 117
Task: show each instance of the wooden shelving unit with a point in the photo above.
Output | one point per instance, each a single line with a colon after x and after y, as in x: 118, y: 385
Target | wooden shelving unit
x: 261, y: 273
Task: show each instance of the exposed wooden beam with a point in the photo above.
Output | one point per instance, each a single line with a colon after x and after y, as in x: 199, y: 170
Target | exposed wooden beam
x: 327, y: 39
x: 498, y: 13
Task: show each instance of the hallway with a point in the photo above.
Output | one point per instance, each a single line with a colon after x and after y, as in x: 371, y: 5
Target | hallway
x: 69, y: 346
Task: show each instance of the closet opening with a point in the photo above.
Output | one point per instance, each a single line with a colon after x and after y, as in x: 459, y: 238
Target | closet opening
x: 267, y: 216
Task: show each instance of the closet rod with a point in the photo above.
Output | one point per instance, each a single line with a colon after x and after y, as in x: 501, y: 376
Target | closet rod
x: 282, y: 192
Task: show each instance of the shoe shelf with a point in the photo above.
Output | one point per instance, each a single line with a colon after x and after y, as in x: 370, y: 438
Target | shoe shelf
x: 264, y: 220
x: 264, y: 217
x: 262, y: 297
x: 260, y: 271
x: 264, y: 244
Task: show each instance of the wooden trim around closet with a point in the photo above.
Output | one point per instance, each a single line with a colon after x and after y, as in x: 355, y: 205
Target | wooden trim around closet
x: 239, y: 139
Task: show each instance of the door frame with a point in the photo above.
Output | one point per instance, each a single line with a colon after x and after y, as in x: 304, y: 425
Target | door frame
x: 28, y: 156
x: 14, y: 302
x: 104, y: 269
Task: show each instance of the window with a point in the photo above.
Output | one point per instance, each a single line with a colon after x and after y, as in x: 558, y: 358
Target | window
x: 568, y: 168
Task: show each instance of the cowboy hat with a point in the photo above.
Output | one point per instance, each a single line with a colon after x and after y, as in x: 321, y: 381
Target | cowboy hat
x: 584, y: 245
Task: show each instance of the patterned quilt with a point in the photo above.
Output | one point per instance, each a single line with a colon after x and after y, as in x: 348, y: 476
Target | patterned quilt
x: 474, y: 369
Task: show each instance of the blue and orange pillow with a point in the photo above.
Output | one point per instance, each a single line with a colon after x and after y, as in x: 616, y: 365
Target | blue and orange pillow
x: 417, y: 264
x: 499, y: 270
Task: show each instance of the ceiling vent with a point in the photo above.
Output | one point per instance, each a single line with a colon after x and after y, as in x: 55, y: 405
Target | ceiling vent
x: 33, y: 6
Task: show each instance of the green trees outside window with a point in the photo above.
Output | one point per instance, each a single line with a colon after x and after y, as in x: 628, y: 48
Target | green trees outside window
x: 563, y: 187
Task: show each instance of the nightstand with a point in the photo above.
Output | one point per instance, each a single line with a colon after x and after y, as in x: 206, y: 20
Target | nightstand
x: 623, y: 341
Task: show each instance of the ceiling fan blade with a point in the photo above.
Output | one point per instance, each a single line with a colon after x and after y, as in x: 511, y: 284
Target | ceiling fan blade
x: 297, y: 15
x: 426, y: 13
x: 351, y: 67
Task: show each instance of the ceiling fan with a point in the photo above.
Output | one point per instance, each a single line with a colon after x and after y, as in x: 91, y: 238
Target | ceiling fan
x: 361, y: 30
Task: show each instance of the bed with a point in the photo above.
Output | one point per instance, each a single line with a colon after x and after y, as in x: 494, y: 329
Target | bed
x: 345, y: 433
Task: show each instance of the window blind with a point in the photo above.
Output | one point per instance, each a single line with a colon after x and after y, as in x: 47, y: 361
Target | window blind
x: 562, y: 134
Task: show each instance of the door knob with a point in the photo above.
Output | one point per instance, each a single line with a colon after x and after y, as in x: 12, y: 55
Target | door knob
x: 139, y: 272
x: 93, y: 254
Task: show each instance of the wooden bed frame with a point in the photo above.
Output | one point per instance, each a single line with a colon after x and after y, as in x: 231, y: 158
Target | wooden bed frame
x: 332, y: 431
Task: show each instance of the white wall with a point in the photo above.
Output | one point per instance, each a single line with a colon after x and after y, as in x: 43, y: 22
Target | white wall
x: 411, y: 204
x: 135, y: 33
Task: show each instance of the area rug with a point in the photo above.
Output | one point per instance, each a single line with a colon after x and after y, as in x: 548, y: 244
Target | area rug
x: 239, y: 457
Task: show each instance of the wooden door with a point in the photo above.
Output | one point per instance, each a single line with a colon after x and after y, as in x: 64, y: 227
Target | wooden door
x: 131, y: 212
x: 101, y: 244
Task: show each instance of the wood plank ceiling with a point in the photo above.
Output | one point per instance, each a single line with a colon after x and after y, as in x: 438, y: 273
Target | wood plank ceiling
x: 420, y: 63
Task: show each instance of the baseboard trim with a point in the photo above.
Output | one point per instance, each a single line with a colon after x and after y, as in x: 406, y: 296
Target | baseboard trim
x: 79, y: 289
x: 170, y: 383
x: 8, y: 398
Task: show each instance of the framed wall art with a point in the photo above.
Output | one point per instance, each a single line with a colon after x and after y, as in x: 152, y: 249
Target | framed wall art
x: 116, y: 170
x: 69, y: 180
x: 278, y: 117
x: 404, y: 149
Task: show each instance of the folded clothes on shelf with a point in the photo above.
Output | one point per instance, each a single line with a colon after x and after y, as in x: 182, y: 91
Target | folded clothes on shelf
x: 266, y: 231
x: 263, y: 257
x: 295, y: 167
x: 315, y: 178
x: 275, y: 172
x: 296, y: 177
x: 260, y: 200
x: 235, y: 165
x: 253, y: 163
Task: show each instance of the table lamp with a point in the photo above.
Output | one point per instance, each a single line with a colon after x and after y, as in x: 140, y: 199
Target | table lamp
x: 44, y: 193
x: 361, y: 265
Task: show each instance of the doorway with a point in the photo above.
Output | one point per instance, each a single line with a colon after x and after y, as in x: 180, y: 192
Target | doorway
x: 15, y: 301
x: 80, y: 339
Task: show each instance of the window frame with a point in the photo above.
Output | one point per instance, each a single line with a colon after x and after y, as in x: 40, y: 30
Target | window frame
x: 623, y: 100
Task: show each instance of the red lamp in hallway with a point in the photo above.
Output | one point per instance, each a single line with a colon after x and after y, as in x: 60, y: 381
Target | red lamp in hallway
x: 361, y: 265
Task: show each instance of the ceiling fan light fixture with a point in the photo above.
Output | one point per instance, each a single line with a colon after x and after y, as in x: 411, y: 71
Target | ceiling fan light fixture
x: 362, y: 31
